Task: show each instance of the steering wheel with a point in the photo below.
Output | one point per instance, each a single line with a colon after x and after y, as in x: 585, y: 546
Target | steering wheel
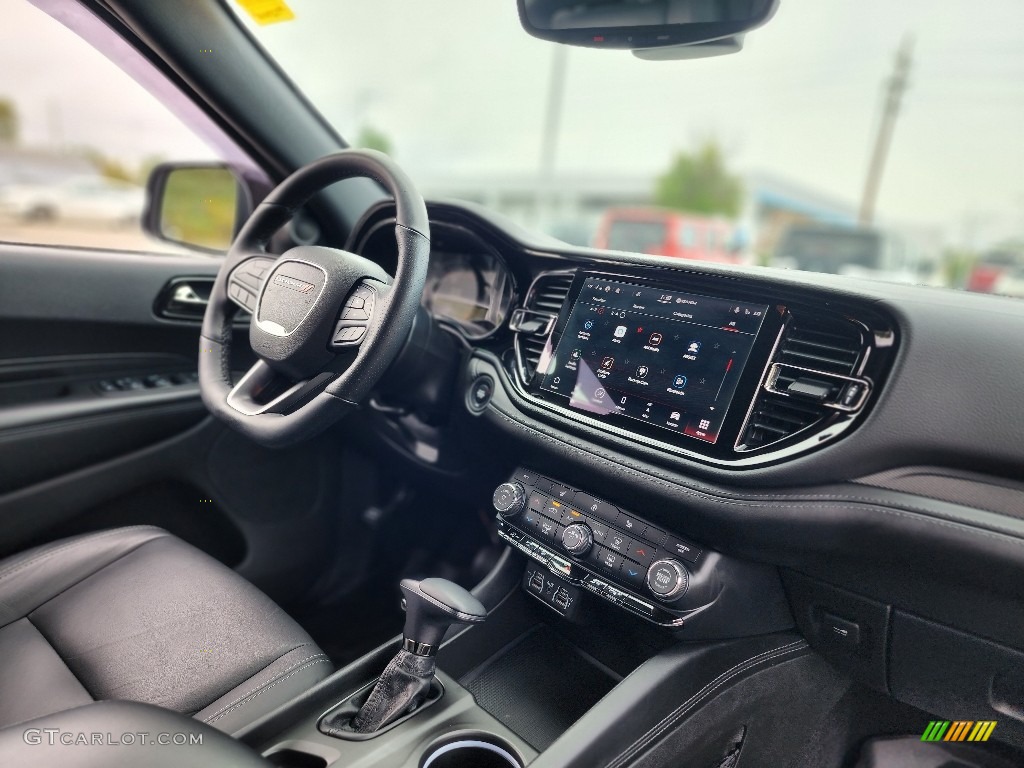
x: 326, y: 323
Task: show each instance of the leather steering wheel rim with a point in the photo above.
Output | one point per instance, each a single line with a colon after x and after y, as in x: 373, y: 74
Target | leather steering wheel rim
x: 320, y: 378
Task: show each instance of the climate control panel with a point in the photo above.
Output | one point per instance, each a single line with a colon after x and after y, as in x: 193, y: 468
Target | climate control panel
x: 605, y: 549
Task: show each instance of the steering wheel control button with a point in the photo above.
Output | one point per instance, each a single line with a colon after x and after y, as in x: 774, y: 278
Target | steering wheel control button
x: 667, y: 579
x: 577, y: 539
x: 680, y: 548
x: 355, y: 318
x: 509, y: 499
x: 351, y: 334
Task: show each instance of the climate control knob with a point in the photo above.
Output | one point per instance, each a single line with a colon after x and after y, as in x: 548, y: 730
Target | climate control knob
x: 577, y: 539
x: 667, y: 579
x: 509, y: 499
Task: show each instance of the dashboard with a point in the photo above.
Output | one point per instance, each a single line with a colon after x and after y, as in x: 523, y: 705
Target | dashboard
x: 860, y: 439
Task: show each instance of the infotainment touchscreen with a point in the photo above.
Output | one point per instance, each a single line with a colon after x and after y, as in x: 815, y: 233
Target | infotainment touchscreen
x: 659, y: 356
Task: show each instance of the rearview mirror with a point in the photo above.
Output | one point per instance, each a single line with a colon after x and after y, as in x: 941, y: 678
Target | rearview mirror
x: 196, y: 205
x: 640, y: 24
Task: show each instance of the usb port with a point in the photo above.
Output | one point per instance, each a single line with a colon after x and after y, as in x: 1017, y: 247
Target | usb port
x: 561, y: 600
x: 537, y: 582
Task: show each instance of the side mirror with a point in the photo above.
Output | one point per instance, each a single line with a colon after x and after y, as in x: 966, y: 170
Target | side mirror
x: 197, y: 205
x: 655, y: 24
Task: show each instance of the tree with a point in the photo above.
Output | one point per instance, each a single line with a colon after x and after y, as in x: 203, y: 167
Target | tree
x: 8, y: 122
x: 109, y: 167
x: 699, y: 182
x: 371, y: 138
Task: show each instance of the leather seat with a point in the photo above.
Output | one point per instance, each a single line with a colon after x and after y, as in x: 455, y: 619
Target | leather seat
x: 137, y: 614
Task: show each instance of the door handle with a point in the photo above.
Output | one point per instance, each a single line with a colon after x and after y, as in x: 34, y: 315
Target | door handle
x: 185, y: 294
x: 184, y: 298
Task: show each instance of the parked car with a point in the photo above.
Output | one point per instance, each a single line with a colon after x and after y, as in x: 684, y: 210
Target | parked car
x: 81, y: 198
x: 992, y: 266
x: 1010, y: 282
x: 854, y: 251
x: 662, y: 232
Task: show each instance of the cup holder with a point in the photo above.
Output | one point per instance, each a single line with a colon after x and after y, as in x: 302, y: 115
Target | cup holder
x: 471, y: 750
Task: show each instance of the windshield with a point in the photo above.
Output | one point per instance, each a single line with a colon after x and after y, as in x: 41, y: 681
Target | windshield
x: 779, y: 136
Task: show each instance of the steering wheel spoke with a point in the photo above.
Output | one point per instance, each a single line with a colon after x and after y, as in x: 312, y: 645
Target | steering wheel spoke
x: 264, y: 391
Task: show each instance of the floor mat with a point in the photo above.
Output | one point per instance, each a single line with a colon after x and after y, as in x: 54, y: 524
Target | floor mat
x: 539, y: 687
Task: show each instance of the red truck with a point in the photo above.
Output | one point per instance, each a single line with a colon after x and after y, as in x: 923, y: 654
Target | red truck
x: 666, y: 233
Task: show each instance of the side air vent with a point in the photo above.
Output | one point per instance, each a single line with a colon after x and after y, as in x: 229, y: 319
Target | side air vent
x: 812, y: 379
x: 549, y: 292
x: 533, y: 322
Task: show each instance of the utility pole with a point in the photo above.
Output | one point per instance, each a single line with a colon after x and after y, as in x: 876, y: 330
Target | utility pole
x: 552, y: 127
x: 894, y: 89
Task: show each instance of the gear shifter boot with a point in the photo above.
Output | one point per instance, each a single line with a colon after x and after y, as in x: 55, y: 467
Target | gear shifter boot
x: 431, y: 606
x: 402, y: 686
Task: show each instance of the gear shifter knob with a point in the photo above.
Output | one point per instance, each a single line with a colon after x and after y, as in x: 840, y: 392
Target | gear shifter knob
x: 431, y: 606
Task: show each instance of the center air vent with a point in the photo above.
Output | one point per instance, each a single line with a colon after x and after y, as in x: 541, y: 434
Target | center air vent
x: 813, y: 373
x: 534, y: 321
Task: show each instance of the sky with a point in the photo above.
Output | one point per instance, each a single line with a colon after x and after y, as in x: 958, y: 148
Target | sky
x: 460, y: 90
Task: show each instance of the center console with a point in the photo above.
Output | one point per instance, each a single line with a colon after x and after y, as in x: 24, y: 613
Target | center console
x: 579, y: 656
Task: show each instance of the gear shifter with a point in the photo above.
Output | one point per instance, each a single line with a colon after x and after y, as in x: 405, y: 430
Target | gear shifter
x: 431, y: 606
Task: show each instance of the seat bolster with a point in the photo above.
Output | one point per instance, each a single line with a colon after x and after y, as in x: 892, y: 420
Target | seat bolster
x: 292, y: 674
x: 34, y: 680
x: 30, y: 578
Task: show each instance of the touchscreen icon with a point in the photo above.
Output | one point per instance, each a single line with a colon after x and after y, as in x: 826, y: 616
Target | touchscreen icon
x: 642, y: 371
x: 694, y: 347
x: 599, y: 393
x: 679, y: 381
x: 704, y: 424
x: 575, y: 354
x: 620, y: 331
x: 676, y: 415
x: 607, y: 363
x: 589, y: 324
x: 655, y: 339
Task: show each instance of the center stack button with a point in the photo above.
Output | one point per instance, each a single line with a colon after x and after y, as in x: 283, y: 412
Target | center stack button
x: 602, y: 510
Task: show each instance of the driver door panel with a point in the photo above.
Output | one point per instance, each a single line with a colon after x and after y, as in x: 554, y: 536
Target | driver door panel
x: 101, y: 423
